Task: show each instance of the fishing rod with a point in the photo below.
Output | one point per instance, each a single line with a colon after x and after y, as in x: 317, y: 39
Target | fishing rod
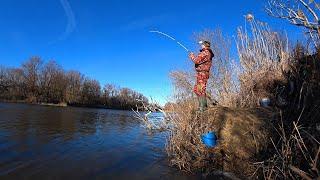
x: 170, y: 37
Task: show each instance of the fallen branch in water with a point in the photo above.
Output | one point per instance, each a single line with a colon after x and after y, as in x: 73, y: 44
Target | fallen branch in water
x: 150, y: 122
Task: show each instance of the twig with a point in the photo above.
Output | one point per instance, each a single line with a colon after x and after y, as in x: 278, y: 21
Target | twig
x: 310, y: 10
x: 300, y: 173
x: 316, y: 160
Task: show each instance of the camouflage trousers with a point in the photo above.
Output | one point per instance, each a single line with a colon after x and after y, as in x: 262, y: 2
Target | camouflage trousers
x: 201, y: 84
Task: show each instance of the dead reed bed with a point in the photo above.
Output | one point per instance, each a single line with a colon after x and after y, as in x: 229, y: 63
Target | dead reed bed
x: 264, y: 56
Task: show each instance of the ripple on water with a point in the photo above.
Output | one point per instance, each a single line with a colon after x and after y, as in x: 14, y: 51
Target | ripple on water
x: 39, y: 142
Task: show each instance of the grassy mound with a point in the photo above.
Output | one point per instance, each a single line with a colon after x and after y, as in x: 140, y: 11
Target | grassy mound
x: 242, y: 135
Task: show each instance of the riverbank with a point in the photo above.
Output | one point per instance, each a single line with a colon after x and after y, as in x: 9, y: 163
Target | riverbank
x: 62, y: 105
x: 41, y: 104
x: 55, y: 105
x: 243, y: 136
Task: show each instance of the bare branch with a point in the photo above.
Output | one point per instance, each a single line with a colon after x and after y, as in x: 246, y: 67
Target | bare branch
x: 290, y: 11
x: 310, y: 10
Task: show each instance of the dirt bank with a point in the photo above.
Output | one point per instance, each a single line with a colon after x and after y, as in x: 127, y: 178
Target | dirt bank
x: 243, y: 136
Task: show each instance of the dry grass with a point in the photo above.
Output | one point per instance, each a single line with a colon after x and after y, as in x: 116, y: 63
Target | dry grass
x: 296, y: 151
x: 253, y: 142
x: 265, y: 61
x: 264, y: 56
x: 242, y: 133
x: 296, y: 155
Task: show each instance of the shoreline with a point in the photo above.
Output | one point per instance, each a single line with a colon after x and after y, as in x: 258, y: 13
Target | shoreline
x: 54, y: 105
x: 62, y: 105
x: 41, y: 104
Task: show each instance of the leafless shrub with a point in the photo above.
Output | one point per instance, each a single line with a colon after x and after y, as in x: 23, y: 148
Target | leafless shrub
x: 183, y: 84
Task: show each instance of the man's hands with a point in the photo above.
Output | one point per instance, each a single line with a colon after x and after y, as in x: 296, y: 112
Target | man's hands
x: 191, y: 56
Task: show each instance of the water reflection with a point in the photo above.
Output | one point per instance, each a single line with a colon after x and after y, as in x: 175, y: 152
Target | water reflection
x: 38, y: 142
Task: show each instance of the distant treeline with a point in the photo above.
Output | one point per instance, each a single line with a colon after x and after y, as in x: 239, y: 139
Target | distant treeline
x: 39, y: 82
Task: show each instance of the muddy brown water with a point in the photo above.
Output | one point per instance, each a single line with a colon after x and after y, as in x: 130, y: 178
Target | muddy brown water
x: 38, y: 142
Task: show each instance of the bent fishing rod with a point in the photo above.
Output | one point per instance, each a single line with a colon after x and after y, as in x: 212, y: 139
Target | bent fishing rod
x: 170, y: 37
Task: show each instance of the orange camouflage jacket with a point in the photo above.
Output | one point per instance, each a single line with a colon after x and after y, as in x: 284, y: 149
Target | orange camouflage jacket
x: 203, y: 61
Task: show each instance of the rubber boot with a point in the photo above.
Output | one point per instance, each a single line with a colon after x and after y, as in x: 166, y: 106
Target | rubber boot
x: 199, y: 103
x: 205, y: 103
x: 202, y: 103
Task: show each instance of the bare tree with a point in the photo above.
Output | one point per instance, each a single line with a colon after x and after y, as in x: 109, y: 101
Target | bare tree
x: 16, y: 88
x: 3, y: 79
x: 31, y: 70
x: 52, y: 83
x: 36, y: 82
x: 299, y: 13
x: 74, y: 83
x: 110, y: 90
x: 90, y: 92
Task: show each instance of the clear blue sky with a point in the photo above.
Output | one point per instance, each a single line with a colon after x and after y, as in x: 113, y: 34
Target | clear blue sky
x: 108, y: 40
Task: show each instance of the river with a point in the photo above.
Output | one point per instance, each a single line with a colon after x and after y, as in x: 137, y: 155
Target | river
x: 38, y: 142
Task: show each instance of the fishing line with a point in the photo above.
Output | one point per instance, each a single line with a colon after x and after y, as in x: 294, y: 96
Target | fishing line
x: 170, y: 37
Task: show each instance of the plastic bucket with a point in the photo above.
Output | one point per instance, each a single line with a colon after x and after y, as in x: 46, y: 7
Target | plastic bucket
x: 209, y: 139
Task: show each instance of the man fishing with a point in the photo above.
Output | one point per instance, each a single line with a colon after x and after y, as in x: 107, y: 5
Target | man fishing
x: 203, y: 63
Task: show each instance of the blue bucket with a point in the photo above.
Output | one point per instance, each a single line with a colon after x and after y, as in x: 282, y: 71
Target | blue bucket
x: 209, y: 139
